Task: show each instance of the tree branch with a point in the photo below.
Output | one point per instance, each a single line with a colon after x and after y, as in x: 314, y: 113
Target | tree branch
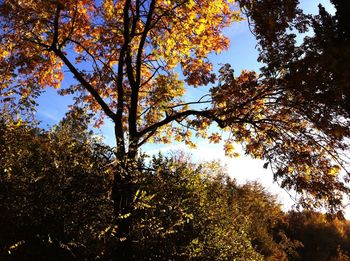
x: 72, y: 27
x: 205, y: 113
x: 56, y: 26
x: 119, y: 130
x: 143, y: 40
x: 135, y: 82
x: 85, y: 84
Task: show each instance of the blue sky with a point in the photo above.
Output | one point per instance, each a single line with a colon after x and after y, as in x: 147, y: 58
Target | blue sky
x: 241, y: 55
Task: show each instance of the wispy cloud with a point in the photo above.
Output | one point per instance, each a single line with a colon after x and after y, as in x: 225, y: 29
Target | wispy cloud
x: 49, y: 115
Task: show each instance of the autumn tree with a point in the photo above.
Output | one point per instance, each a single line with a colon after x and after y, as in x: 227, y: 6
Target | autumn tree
x: 323, y: 237
x: 310, y: 82
x: 126, y: 57
x: 317, y: 68
x: 265, y: 231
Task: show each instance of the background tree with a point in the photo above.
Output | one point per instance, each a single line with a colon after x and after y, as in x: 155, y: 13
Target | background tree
x: 189, y: 213
x: 54, y: 188
x: 317, y: 68
x: 196, y: 211
x: 123, y: 55
x: 267, y: 220
x: 323, y: 238
x: 312, y: 78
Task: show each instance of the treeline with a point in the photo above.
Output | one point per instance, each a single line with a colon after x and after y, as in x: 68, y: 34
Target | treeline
x: 55, y: 204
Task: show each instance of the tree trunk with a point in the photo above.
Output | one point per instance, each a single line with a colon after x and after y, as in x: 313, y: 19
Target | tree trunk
x: 123, y: 192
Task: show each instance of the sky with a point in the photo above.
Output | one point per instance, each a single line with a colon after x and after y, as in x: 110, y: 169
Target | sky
x: 242, y: 54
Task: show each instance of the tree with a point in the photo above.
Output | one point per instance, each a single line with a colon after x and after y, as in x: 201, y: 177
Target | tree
x: 331, y: 233
x: 125, y: 53
x: 124, y: 56
x: 267, y: 218
x: 54, y: 188
x: 187, y: 211
x: 312, y: 77
x: 316, y: 68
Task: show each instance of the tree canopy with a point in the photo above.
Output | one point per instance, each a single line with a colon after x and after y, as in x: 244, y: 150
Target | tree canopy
x: 317, y: 67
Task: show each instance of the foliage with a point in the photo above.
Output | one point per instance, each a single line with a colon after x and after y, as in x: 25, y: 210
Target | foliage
x: 323, y: 238
x: 317, y: 68
x: 55, y: 187
x: 191, y: 214
x: 298, y: 111
x: 53, y: 190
